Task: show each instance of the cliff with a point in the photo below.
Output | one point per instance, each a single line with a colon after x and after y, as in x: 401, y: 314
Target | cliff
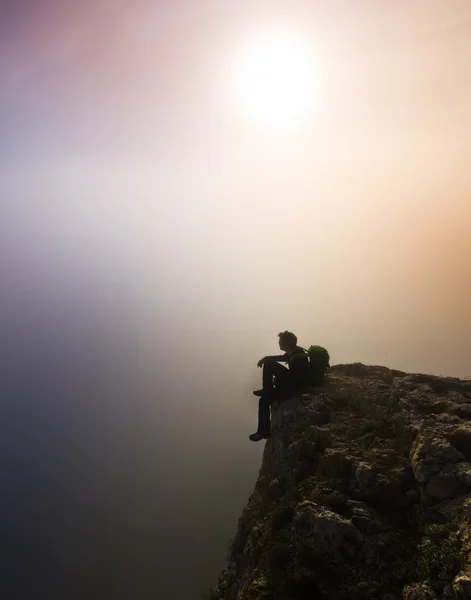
x: 363, y: 493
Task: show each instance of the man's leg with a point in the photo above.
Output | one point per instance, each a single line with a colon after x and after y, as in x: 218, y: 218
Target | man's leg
x: 264, y: 415
x: 263, y: 429
x: 273, y: 369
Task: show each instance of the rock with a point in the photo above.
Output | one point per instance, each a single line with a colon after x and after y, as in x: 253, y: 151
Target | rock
x: 335, y: 463
x: 412, y: 494
x: 368, y: 589
x: 453, y: 480
x: 460, y: 438
x: 362, y: 520
x: 448, y: 592
x: 380, y: 490
x: 418, y: 591
x: 365, y: 475
x: 318, y: 417
x: 321, y: 437
x: 463, y: 471
x: 274, y: 489
x: 462, y: 587
x: 303, y: 448
x: 349, y: 549
x: 429, y: 453
x: 444, y: 486
x: 321, y: 530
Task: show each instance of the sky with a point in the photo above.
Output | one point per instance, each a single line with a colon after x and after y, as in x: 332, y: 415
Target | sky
x: 154, y: 239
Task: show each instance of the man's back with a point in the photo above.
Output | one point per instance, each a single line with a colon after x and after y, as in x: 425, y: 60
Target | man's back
x: 298, y: 363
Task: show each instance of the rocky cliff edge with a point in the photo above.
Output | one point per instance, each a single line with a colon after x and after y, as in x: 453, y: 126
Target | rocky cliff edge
x: 363, y: 493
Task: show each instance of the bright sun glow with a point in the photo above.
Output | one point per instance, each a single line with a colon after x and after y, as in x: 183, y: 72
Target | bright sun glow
x: 275, y: 80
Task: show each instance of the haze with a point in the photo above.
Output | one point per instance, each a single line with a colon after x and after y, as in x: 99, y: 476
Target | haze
x: 154, y: 240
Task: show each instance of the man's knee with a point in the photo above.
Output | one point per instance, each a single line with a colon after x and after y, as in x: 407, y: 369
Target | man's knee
x: 269, y: 368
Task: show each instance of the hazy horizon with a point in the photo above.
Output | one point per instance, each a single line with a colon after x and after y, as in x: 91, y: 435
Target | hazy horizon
x: 154, y: 240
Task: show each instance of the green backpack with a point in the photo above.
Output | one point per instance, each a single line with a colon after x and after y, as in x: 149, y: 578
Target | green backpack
x: 319, y: 362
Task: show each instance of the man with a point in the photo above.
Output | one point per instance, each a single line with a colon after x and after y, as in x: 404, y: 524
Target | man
x: 287, y: 380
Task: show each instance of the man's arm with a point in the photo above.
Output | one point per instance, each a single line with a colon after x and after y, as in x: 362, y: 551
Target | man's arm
x: 280, y: 358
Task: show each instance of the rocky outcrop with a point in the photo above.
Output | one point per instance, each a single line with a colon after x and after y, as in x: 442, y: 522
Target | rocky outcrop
x: 363, y: 493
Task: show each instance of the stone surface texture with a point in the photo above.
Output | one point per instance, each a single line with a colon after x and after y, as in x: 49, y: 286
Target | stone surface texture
x: 363, y: 493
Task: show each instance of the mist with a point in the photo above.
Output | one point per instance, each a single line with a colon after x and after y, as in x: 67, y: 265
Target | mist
x: 153, y: 242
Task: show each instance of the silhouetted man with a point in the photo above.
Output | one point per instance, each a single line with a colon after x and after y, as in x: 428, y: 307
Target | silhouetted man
x: 286, y: 380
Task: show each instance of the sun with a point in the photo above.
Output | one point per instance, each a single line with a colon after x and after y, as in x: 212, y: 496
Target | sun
x: 275, y: 79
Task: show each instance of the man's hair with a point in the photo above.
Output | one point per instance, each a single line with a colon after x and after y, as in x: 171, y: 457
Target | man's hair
x: 288, y: 338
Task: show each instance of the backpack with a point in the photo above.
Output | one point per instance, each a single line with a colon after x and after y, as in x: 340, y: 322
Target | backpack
x: 319, y: 363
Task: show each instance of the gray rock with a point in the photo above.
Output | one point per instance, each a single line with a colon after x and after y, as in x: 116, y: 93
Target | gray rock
x: 322, y: 530
x: 418, y: 591
x: 356, y: 490
x: 445, y: 486
x: 365, y: 475
x: 462, y: 587
x: 429, y: 453
x: 460, y: 438
x: 448, y: 592
x: 336, y: 463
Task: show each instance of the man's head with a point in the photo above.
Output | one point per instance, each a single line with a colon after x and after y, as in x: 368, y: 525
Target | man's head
x: 288, y: 341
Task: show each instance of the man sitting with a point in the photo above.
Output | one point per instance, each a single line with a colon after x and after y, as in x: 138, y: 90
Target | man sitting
x: 286, y: 380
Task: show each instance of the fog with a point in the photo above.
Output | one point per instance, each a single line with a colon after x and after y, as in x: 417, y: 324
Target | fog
x: 154, y: 241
